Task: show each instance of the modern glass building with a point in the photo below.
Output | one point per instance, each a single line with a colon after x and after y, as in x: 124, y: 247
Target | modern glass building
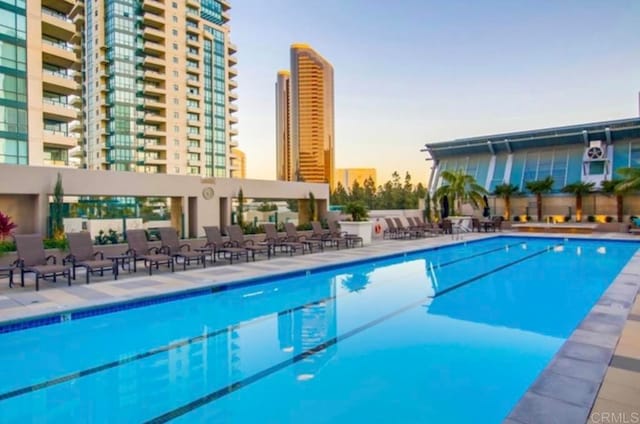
x: 585, y: 152
x: 305, y: 118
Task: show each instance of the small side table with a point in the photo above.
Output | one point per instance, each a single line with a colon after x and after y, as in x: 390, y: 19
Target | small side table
x: 7, y: 271
x: 118, y: 262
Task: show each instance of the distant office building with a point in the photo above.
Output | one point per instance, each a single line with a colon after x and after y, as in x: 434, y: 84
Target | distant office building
x: 284, y: 155
x: 238, y: 163
x: 305, y: 118
x: 587, y: 152
x: 347, y: 176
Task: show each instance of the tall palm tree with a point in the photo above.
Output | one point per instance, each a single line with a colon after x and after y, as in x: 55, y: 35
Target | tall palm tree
x: 460, y: 187
x: 538, y: 188
x: 579, y: 188
x: 505, y: 191
x: 609, y: 188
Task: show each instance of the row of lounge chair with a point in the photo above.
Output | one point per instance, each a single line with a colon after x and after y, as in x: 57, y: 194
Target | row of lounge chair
x: 418, y: 228
x: 32, y: 257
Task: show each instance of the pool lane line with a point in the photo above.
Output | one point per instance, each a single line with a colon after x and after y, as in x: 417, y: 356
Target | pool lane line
x: 152, y: 352
x: 500, y: 268
x: 235, y: 386
x: 197, y: 339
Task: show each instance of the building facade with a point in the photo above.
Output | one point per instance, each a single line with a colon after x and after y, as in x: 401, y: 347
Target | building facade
x: 238, y: 163
x: 589, y: 152
x: 305, y: 118
x: 347, y: 176
x: 126, y: 85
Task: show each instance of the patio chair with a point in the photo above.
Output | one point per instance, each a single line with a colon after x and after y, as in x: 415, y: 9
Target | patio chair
x: 236, y: 236
x: 139, y: 250
x: 395, y: 232
x: 216, y: 246
x: 82, y: 255
x: 326, y: 236
x: 171, y: 243
x: 275, y: 241
x: 412, y: 232
x: 292, y: 235
x: 350, y: 239
x: 32, y: 258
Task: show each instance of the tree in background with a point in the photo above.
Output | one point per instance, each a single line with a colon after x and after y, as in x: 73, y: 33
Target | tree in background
x: 369, y: 193
x: 6, y: 226
x: 579, y: 189
x: 538, y: 188
x: 505, y: 191
x: 240, y: 209
x: 630, y: 179
x: 615, y: 188
x: 57, y: 226
x: 460, y: 188
x: 427, y: 207
x: 339, y: 195
x: 312, y: 207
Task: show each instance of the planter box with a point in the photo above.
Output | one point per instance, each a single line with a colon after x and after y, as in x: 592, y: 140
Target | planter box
x: 363, y: 229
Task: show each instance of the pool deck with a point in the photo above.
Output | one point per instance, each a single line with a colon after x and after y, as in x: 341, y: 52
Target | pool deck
x: 595, y: 373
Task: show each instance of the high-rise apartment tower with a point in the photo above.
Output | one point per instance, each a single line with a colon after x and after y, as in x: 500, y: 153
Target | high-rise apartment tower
x: 305, y: 118
x: 128, y: 85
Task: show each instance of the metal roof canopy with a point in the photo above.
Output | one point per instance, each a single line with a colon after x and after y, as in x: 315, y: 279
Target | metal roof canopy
x: 608, y: 131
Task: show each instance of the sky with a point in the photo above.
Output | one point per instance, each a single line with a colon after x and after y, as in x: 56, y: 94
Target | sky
x: 410, y: 72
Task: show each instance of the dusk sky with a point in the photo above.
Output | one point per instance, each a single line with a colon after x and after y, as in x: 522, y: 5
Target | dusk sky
x: 409, y: 72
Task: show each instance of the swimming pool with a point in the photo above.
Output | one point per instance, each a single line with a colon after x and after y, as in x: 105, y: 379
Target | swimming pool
x: 454, y: 334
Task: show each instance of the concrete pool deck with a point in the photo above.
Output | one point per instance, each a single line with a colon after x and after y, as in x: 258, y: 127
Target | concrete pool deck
x: 595, y: 374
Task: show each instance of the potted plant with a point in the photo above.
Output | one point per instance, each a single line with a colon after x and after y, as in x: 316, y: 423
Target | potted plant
x: 359, y: 223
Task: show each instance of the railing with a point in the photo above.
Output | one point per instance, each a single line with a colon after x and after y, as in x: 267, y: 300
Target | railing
x: 61, y: 74
x: 63, y: 45
x: 56, y: 14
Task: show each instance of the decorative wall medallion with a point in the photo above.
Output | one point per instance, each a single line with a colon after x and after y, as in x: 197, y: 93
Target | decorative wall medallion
x: 207, y: 193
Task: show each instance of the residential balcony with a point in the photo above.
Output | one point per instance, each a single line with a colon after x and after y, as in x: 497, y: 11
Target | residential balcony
x: 154, y: 104
x: 64, y: 6
x: 193, y: 162
x: 194, y: 149
x: 77, y: 10
x: 233, y: 84
x: 154, y: 132
x: 233, y: 95
x: 194, y: 136
x: 233, y: 143
x: 153, y: 19
x: 233, y: 132
x: 59, y: 139
x: 154, y: 161
x: 193, y: 96
x: 194, y: 29
x: 153, y: 75
x: 153, y: 48
x: 155, y: 147
x: 194, y: 83
x: 192, y: 42
x: 75, y: 101
x: 57, y: 24
x: 233, y: 60
x: 154, y: 118
x: 233, y: 119
x: 154, y: 89
x: 59, y: 111
x: 155, y: 61
x: 232, y: 48
x: 153, y: 34
x: 76, y: 152
x: 225, y: 17
x: 59, y: 54
x: 233, y: 72
x: 59, y: 82
x: 193, y: 3
x: 225, y: 5
x: 153, y: 6
x: 194, y: 109
x: 76, y: 127
x: 233, y: 107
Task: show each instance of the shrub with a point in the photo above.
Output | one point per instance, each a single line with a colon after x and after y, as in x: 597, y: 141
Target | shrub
x: 567, y: 218
x: 112, y: 237
x: 516, y: 218
x: 528, y: 218
x: 7, y: 246
x: 357, y: 210
x: 56, y: 243
x: 304, y: 227
x: 591, y: 218
x: 608, y: 219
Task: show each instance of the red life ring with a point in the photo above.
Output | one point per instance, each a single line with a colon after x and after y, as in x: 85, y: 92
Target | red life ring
x: 377, y: 228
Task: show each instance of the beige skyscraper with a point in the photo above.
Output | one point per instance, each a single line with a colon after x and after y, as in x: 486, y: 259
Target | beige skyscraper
x: 305, y: 98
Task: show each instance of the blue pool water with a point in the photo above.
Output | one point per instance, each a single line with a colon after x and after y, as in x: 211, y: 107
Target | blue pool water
x: 455, y: 334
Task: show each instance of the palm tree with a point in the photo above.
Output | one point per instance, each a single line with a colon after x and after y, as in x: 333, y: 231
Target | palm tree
x: 538, y: 188
x: 505, y: 191
x: 630, y: 179
x: 609, y: 187
x: 579, y: 188
x: 460, y: 187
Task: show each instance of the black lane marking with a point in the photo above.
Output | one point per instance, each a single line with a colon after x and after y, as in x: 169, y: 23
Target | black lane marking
x: 475, y: 255
x: 197, y: 339
x: 233, y: 387
x: 500, y: 268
